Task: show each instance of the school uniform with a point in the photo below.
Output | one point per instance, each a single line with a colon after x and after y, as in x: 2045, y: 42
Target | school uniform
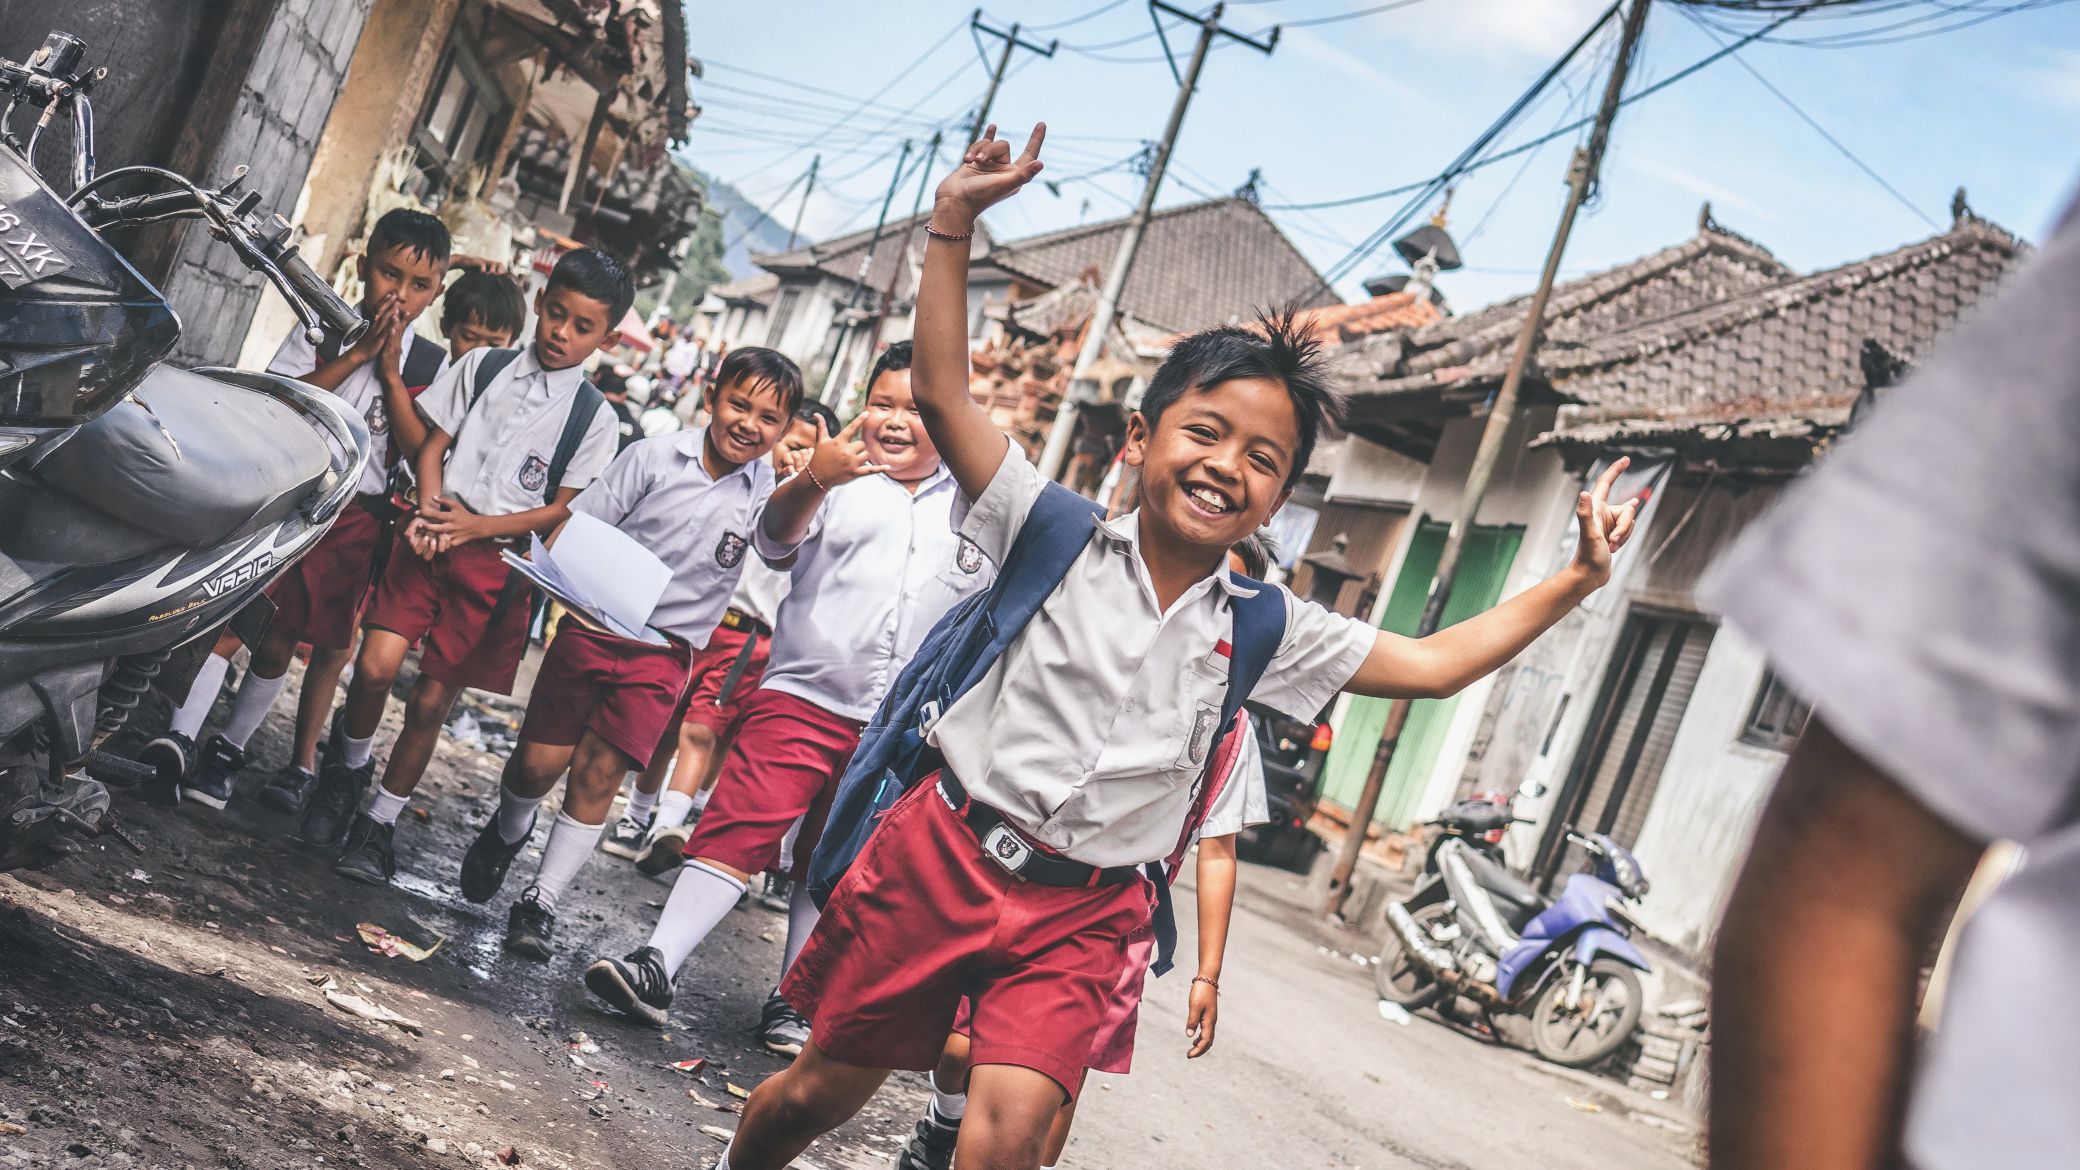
x: 878, y: 568
x: 659, y: 492
x: 731, y: 667
x: 499, y: 465
x: 1086, y: 738
x: 322, y: 596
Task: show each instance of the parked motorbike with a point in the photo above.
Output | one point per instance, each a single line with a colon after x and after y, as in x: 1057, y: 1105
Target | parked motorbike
x: 1481, y: 820
x: 1477, y: 941
x: 142, y: 507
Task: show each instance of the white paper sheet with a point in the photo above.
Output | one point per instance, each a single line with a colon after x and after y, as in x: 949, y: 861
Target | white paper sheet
x: 601, y: 573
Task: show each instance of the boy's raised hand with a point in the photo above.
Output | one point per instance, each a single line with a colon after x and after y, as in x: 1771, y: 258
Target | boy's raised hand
x: 988, y: 175
x: 1604, y: 529
x: 843, y: 457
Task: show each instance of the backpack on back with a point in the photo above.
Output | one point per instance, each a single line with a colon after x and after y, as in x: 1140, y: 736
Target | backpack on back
x: 893, y: 755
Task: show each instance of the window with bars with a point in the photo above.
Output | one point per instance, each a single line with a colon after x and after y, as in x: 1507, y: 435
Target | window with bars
x: 783, y: 316
x: 1778, y: 717
x: 461, y: 126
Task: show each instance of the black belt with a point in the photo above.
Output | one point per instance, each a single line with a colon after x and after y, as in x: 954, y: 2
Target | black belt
x: 737, y: 619
x: 1009, y: 848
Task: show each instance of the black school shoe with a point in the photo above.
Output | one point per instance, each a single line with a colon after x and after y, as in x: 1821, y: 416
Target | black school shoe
x: 931, y: 1145
x: 211, y: 785
x: 529, y: 926
x: 783, y: 1030
x: 484, y: 866
x: 289, y: 791
x: 370, y: 854
x: 169, y: 756
x: 333, y: 805
x: 636, y: 984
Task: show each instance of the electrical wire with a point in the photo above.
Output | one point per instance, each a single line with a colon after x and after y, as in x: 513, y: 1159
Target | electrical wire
x: 1094, y: 13
x: 1338, y: 18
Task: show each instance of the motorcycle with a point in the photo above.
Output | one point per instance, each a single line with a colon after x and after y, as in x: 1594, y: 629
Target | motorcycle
x: 1481, y: 820
x: 1479, y: 942
x: 143, y: 507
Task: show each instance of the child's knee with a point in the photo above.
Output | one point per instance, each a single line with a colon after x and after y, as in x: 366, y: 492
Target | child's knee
x: 801, y: 1106
x: 428, y: 704
x: 598, y: 768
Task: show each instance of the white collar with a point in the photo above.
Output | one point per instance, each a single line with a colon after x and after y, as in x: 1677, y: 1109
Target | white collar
x: 1125, y: 531
x: 563, y: 381
x: 690, y: 444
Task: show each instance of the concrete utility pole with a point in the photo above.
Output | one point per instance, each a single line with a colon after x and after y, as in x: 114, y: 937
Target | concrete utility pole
x: 795, y: 229
x: 839, y: 329
x: 996, y: 77
x: 895, y: 271
x: 1581, y: 178
x: 1055, y: 455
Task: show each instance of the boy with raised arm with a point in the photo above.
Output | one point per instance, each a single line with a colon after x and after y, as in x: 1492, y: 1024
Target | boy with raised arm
x: 1085, y: 737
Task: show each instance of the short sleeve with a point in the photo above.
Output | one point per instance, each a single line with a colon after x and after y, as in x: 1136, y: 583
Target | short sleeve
x: 1242, y: 801
x: 992, y: 522
x: 1921, y: 588
x: 295, y: 358
x: 773, y: 553
x: 1319, y: 654
x: 614, y: 494
x: 446, y: 400
x: 596, y: 450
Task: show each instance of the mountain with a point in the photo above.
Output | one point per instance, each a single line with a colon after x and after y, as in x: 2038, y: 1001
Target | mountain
x: 738, y: 214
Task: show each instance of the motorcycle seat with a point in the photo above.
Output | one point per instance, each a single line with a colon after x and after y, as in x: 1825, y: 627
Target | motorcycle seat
x: 1519, y: 899
x: 191, y: 458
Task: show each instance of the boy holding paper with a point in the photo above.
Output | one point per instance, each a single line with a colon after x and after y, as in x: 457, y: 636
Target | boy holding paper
x: 602, y: 700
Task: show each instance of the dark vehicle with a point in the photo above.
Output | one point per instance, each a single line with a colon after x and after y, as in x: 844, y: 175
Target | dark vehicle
x: 142, y: 507
x: 1481, y: 820
x: 1293, y: 753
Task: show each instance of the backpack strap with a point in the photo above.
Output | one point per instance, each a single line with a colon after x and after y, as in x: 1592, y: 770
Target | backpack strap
x: 488, y: 370
x: 577, y: 424
x: 422, y: 363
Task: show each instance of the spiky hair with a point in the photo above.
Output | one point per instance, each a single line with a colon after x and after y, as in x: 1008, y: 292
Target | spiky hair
x: 1278, y: 348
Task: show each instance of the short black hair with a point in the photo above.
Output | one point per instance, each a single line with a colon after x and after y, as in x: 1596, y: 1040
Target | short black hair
x: 1279, y: 348
x: 896, y: 357
x: 485, y: 300
x: 812, y: 411
x: 414, y: 231
x: 1257, y: 551
x: 754, y: 364
x: 590, y: 272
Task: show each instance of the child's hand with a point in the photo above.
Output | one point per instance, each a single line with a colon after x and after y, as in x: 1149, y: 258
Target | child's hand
x: 421, y: 541
x: 842, y: 458
x: 988, y: 175
x: 456, y: 527
x: 1200, y: 1016
x: 1604, y: 529
x: 385, y: 329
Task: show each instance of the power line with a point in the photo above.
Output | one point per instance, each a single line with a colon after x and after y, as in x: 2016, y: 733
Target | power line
x: 1100, y: 10
x: 1340, y: 17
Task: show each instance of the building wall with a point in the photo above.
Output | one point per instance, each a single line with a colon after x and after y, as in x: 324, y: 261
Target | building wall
x: 282, y: 107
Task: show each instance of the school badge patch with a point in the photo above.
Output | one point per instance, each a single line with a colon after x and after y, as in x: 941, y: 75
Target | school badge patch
x: 1202, y: 736
x: 378, y: 419
x: 729, y: 551
x: 969, y: 557
x: 534, y: 474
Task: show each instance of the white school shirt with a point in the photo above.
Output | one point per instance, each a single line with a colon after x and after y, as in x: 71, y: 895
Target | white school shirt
x: 361, y: 390
x: 659, y: 492
x: 1091, y: 731
x: 760, y: 590
x: 1242, y: 801
x: 878, y: 569
x: 499, y: 464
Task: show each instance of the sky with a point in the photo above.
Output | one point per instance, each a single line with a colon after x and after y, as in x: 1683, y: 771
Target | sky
x: 1360, y: 105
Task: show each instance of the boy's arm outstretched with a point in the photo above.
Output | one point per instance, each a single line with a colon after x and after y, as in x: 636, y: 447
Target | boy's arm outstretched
x: 968, y: 441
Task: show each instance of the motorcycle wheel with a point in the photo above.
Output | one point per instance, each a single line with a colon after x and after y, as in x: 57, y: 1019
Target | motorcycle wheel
x: 1581, y: 1033
x: 1396, y: 975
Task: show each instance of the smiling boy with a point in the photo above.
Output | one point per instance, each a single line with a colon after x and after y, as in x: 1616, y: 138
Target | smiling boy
x: 1085, y: 738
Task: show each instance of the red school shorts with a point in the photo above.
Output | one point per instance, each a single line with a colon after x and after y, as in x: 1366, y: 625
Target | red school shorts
x: 622, y: 690
x: 711, y: 667
x: 321, y: 597
x: 1113, y: 1050
x: 783, y: 766
x: 447, y: 603
x: 923, y: 918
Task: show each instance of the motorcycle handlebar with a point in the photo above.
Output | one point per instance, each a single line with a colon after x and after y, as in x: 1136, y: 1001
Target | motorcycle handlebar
x: 341, y: 319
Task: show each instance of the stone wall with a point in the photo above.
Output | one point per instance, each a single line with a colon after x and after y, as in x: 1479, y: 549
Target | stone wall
x: 282, y: 107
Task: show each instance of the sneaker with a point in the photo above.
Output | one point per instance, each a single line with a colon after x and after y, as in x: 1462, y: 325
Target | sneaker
x: 289, y: 791
x: 665, y: 851
x: 782, y: 1029
x: 528, y: 927
x: 211, y: 784
x: 778, y: 893
x: 369, y: 854
x: 636, y: 984
x: 930, y: 1146
x: 626, y: 836
x: 333, y: 805
x: 484, y: 866
x: 170, y: 756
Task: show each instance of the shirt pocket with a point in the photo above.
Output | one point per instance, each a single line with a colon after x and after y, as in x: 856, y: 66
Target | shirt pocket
x: 1198, y: 721
x: 969, y: 571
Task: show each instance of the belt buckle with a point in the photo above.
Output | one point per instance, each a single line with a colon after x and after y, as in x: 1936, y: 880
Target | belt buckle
x: 1007, y: 849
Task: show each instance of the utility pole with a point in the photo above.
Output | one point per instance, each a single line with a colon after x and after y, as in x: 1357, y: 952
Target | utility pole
x: 895, y: 271
x: 1012, y: 42
x: 795, y: 229
x: 1055, y: 454
x: 1581, y: 178
x: 839, y: 329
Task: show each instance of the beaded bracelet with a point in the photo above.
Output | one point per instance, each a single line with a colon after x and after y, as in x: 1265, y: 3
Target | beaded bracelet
x: 810, y: 471
x: 1213, y: 983
x: 949, y: 237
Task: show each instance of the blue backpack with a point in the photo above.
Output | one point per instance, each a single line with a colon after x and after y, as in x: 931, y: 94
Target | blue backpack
x: 893, y: 756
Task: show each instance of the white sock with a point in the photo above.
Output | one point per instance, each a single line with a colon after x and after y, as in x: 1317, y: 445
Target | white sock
x: 724, y: 1163
x: 787, y: 845
x: 384, y: 805
x: 202, y: 695
x: 700, y: 799
x: 801, y: 919
x: 249, y: 707
x: 672, y: 808
x: 700, y: 899
x: 640, y: 804
x: 516, y: 814
x: 949, y: 1106
x: 571, y: 842
x: 355, y: 752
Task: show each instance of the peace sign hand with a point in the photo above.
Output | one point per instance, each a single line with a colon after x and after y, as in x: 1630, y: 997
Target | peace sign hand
x: 988, y: 175
x: 843, y: 457
x: 1604, y: 529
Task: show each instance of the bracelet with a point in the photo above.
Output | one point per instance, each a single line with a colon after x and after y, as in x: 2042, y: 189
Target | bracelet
x: 949, y: 237
x: 1213, y: 983
x: 810, y: 471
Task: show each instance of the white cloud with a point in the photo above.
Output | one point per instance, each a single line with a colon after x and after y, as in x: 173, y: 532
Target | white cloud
x: 1307, y: 43
x: 1496, y: 29
x: 1685, y: 179
x: 2053, y: 79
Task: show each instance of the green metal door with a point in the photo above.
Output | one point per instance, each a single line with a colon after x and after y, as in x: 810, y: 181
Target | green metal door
x: 1482, y: 568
